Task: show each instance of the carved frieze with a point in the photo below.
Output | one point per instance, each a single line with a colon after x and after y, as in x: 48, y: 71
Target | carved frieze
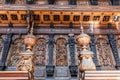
x: 104, y: 53
x: 40, y: 52
x: 61, y: 52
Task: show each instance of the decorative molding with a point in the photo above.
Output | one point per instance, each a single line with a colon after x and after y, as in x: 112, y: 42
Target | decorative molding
x: 59, y: 31
x: 59, y: 7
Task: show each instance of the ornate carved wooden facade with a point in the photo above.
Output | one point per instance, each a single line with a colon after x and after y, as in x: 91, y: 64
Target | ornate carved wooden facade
x: 56, y: 52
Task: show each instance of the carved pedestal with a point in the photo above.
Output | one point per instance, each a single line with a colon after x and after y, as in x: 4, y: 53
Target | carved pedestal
x: 26, y: 63
x: 73, y: 70
x: 50, y: 70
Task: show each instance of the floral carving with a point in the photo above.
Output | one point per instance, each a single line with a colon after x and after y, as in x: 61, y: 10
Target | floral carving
x: 104, y: 54
x: 16, y: 48
x: 40, y: 52
x: 61, y: 52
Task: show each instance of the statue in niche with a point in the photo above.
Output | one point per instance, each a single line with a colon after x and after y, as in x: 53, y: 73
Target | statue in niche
x: 16, y: 48
x: 104, y: 54
x: 40, y: 52
x: 61, y: 52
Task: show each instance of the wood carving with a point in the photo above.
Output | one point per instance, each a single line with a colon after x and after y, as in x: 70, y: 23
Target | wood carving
x: 61, y: 52
x: 40, y: 52
x: 16, y: 48
x: 105, y: 56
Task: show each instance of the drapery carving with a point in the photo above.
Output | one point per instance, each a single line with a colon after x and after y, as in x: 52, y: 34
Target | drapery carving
x: 16, y: 48
x: 104, y: 53
x: 61, y: 52
x: 40, y: 52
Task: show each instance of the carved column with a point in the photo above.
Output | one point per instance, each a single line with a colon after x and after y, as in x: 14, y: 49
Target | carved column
x: 113, y: 45
x: 93, y: 48
x: 73, y: 67
x: 50, y: 67
x: 6, y: 47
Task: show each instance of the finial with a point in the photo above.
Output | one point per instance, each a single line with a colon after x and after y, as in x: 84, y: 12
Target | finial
x: 81, y: 27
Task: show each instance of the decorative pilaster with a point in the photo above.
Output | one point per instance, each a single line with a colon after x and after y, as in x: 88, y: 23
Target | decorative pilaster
x: 73, y: 67
x: 113, y: 45
x: 50, y: 67
x: 6, y: 47
x: 93, y: 48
